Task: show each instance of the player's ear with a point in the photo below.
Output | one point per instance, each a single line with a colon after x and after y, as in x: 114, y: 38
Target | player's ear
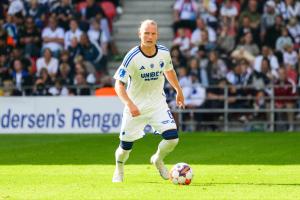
x: 139, y: 33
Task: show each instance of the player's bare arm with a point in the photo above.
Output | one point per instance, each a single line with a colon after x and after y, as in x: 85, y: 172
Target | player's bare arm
x: 172, y: 78
x: 121, y: 92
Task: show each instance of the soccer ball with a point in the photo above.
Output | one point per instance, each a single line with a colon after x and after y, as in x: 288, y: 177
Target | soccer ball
x: 181, y: 174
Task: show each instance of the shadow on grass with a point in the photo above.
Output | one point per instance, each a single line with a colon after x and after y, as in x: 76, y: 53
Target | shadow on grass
x: 206, y: 149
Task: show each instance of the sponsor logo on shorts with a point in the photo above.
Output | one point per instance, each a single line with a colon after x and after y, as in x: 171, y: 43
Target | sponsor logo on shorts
x: 165, y: 122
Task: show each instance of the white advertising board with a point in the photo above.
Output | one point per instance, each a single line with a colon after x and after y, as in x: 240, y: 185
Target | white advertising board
x: 60, y: 114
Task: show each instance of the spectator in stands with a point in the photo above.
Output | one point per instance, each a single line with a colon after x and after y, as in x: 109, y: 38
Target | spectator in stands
x: 193, y: 67
x: 11, y: 29
x: 91, y: 11
x: 88, y: 73
x: 82, y: 88
x: 246, y: 49
x: 65, y: 59
x: 252, y: 13
x: 53, y: 37
x: 64, y: 13
x: 40, y: 89
x: 17, y: 53
x: 294, y: 30
x: 284, y: 92
x: 290, y: 57
x: 202, y: 57
x: 268, y: 18
x: 98, y: 38
x: 246, y: 27
x: 216, y: 68
x: 185, y: 14
x: 208, y: 45
x: 226, y: 39
x: 283, y: 40
x: 182, y: 41
x: 289, y: 9
x: 177, y: 57
x: 16, y: 7
x: 249, y: 45
x: 104, y: 25
x: 183, y: 77
x: 228, y: 11
x: 74, y: 49
x: 267, y: 53
x: 208, y: 12
x: 58, y: 89
x: 65, y: 74
x: 273, y: 32
x: 20, y: 77
x: 9, y: 89
x: 194, y: 93
x: 30, y: 38
x: 3, y: 6
x: 240, y: 74
x: 35, y: 10
x: 260, y: 80
x: 4, y: 67
x: 89, y: 51
x: 260, y: 83
x: 197, y: 36
x: 48, y: 62
x: 73, y: 32
x: 46, y: 79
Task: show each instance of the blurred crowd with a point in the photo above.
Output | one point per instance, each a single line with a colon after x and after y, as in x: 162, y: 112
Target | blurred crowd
x: 249, y: 46
x: 55, y: 47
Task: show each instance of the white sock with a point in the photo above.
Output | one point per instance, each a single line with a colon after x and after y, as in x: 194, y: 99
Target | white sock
x: 165, y: 147
x: 121, y: 157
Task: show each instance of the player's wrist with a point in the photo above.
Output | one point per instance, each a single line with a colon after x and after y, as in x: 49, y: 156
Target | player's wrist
x: 178, y: 90
x: 129, y: 103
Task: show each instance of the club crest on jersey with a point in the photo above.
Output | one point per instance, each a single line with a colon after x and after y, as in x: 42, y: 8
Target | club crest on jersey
x: 161, y: 64
x: 142, y: 67
x: 152, y: 65
x: 122, y: 73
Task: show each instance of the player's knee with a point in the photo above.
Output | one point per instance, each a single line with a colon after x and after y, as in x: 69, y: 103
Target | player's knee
x: 126, y: 145
x: 170, y: 135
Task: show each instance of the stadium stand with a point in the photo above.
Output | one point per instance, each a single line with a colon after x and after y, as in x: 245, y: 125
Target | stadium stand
x: 241, y: 52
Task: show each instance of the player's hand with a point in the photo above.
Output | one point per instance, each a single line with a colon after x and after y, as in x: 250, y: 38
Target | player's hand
x: 180, y: 100
x: 134, y: 110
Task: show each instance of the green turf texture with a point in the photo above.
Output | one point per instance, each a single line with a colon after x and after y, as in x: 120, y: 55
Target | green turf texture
x: 226, y: 166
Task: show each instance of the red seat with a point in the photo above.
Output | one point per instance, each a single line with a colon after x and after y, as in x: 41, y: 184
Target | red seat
x: 109, y: 11
x: 81, y: 6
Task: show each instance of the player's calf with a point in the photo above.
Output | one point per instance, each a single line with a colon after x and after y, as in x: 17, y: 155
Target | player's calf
x: 166, y: 146
x: 121, y: 155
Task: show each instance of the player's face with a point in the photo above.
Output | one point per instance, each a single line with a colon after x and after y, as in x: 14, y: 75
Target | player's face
x: 148, y: 35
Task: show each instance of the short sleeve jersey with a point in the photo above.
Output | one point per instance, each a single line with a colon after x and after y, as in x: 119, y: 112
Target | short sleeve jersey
x: 144, y: 76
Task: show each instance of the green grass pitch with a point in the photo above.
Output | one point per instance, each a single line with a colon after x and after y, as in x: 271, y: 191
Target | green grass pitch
x: 226, y: 166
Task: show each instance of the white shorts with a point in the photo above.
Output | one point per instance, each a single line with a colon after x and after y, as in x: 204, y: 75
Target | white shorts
x: 132, y: 128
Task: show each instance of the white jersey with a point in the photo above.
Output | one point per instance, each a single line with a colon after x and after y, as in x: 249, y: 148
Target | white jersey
x: 144, y: 76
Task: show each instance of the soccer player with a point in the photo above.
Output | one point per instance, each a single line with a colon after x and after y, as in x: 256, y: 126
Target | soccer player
x: 143, y: 70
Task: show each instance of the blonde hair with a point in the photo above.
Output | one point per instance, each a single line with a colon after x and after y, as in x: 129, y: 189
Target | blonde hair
x: 147, y: 22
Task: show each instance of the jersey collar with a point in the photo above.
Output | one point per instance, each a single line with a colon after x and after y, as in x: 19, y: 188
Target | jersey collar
x: 156, y: 50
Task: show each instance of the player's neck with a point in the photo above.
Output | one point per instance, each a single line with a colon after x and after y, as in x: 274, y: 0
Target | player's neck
x: 148, y: 51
